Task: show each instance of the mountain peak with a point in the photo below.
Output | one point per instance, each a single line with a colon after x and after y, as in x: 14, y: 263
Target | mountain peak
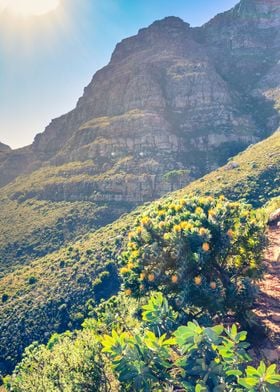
x: 168, y: 22
x: 168, y: 29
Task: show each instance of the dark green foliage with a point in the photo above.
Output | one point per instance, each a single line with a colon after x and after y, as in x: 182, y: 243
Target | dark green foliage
x: 119, y: 351
x: 5, y: 297
x: 32, y: 280
x: 200, y: 252
x: 189, y: 358
x: 65, y: 364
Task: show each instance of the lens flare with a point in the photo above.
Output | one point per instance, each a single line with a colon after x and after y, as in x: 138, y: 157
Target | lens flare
x: 26, y: 8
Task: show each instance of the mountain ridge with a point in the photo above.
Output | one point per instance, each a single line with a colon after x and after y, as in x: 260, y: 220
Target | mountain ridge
x: 192, y: 46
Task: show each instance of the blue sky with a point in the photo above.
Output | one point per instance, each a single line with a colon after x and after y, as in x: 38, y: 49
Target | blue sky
x: 46, y: 61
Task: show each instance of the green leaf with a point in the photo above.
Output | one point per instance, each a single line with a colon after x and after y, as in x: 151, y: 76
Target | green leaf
x: 273, y: 379
x: 270, y: 370
x: 251, y: 371
x: 262, y: 369
x: 242, y: 336
x: 218, y: 329
x: 248, y: 382
x: 233, y: 332
x: 236, y: 373
x: 200, y: 388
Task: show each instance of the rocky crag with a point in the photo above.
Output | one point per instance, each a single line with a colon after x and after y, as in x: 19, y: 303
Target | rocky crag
x: 172, y: 98
x: 174, y: 103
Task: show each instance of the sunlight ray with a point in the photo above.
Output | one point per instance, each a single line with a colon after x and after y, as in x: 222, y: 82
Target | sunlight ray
x: 27, y: 8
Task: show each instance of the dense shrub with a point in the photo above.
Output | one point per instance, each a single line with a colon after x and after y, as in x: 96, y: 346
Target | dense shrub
x: 66, y: 364
x: 119, y: 351
x: 32, y: 280
x: 200, y: 252
x: 5, y: 297
x: 191, y: 358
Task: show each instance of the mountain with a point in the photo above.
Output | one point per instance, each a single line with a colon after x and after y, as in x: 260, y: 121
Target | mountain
x: 172, y: 97
x: 174, y: 103
x: 50, y: 294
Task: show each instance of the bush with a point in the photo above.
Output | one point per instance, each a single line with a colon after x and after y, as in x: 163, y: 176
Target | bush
x: 65, y: 365
x: 32, y: 280
x: 200, y: 252
x: 5, y: 297
x: 191, y: 358
x: 118, y: 352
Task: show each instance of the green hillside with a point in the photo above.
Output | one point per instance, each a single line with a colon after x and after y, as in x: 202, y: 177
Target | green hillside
x: 50, y: 293
x: 41, y: 212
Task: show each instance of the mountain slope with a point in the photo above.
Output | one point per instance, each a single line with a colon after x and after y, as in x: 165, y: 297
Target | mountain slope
x: 193, y: 93
x: 174, y: 103
x: 50, y: 294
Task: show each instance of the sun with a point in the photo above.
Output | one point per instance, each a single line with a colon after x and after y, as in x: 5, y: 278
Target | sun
x: 26, y: 8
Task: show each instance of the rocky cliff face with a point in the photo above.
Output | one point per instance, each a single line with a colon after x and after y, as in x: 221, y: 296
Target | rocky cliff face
x: 173, y: 103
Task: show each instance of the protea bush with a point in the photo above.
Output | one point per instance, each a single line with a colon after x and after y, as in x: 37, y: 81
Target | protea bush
x: 200, y: 252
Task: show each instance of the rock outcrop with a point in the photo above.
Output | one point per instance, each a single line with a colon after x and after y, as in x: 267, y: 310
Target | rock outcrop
x: 173, y: 103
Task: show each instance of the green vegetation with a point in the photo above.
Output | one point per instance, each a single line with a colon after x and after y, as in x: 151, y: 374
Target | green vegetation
x: 254, y: 179
x: 121, y: 351
x: 53, y: 206
x: 69, y: 277
x: 200, y: 252
x: 175, y: 177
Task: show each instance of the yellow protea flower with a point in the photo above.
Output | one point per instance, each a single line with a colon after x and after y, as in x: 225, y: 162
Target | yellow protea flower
x: 139, y: 230
x: 202, y: 231
x: 211, y: 213
x: 135, y: 254
x: 172, y: 206
x: 131, y: 235
x: 166, y: 236
x: 142, y: 276
x: 128, y: 292
x: 230, y: 233
x: 177, y: 228
x: 145, y: 221
x: 132, y: 245
x: 238, y: 261
x: 213, y: 285
x: 161, y: 225
x: 186, y: 225
x: 178, y: 208
x: 205, y: 246
x: 198, y: 210
x: 124, y: 270
x: 222, y: 198
x: 198, y: 280
x: 151, y: 277
x: 242, y: 250
x: 130, y: 265
x: 182, y: 202
x: 253, y: 264
x: 161, y: 212
x: 174, y: 279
